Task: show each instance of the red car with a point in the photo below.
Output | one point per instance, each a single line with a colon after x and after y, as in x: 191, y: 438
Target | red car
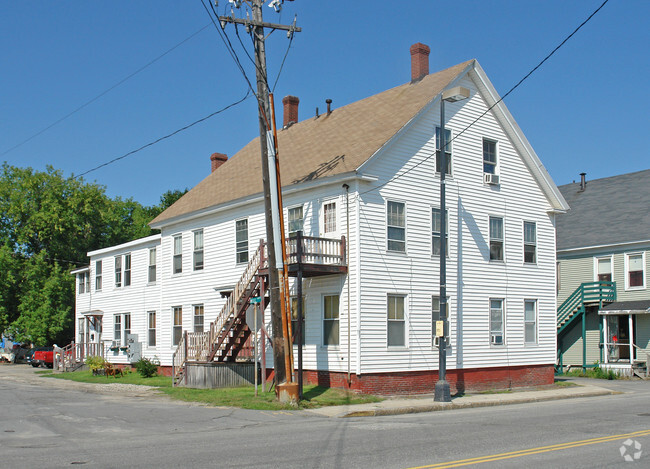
x: 43, y: 356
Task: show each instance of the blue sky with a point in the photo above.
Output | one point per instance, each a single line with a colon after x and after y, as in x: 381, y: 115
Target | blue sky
x: 586, y: 109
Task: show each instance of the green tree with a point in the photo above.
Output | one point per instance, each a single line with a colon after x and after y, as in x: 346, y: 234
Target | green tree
x: 48, y: 223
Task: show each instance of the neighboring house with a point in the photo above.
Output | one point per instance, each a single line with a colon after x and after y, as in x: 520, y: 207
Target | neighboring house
x: 603, y: 251
x: 361, y: 183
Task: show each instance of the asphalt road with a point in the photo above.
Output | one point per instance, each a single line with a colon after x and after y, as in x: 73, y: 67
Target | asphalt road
x: 52, y: 423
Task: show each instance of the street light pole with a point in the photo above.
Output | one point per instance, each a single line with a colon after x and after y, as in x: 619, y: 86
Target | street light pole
x: 442, y: 392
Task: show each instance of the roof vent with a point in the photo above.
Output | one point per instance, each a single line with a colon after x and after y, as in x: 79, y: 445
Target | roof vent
x: 583, y: 182
x: 329, y: 106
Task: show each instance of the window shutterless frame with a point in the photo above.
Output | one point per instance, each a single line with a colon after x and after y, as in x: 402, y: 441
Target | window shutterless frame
x: 177, y: 260
x: 489, y: 156
x: 395, y: 226
x: 396, y: 321
x: 530, y: 242
x: 496, y: 239
x: 331, y: 320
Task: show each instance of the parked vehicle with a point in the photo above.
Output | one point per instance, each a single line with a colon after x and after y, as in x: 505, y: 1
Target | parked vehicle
x: 42, y: 356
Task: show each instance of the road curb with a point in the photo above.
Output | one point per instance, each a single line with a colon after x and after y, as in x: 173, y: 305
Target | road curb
x: 439, y: 406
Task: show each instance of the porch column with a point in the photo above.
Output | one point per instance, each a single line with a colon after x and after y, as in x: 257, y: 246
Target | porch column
x: 605, y: 338
x: 630, y: 322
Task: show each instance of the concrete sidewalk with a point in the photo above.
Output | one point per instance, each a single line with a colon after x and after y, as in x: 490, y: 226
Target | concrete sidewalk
x: 410, y: 405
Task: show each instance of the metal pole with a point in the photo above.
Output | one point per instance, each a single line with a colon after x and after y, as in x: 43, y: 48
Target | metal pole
x: 442, y: 392
x: 299, y: 311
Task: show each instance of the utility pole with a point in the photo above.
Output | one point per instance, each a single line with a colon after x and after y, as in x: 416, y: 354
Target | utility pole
x: 257, y: 24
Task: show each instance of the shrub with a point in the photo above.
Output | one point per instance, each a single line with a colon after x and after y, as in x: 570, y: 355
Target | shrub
x: 95, y: 362
x: 147, y: 368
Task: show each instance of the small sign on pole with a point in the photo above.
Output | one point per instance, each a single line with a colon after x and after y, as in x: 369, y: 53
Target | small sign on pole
x: 440, y: 328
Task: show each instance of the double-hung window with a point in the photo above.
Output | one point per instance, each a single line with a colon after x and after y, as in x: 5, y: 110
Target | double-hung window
x: 152, y: 265
x: 489, y: 156
x: 98, y: 275
x: 127, y: 326
x: 151, y: 328
x: 331, y: 320
x: 396, y: 323
x: 436, y: 229
x: 241, y: 240
x: 178, y: 254
x: 198, y: 318
x: 118, y: 271
x: 496, y: 321
x: 84, y: 286
x: 496, y: 239
x: 295, y: 218
x: 127, y: 270
x: 530, y: 242
x: 177, y: 332
x: 635, y: 266
x: 530, y: 321
x: 448, y: 150
x: 329, y: 217
x: 604, y: 269
x: 117, y: 328
x: 396, y: 226
x: 198, y: 250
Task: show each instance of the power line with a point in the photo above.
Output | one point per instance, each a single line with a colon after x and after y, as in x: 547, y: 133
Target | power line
x: 165, y: 137
x: 495, y: 104
x: 87, y: 103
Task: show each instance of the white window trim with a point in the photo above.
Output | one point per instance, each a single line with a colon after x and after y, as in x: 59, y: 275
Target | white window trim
x: 322, y: 324
x: 248, y: 242
x: 337, y: 218
x: 450, y: 174
x: 173, y: 324
x: 496, y: 154
x: 431, y: 209
x: 194, y: 315
x: 503, y: 240
x: 611, y: 263
x: 406, y: 322
x: 405, y: 251
x: 202, y: 250
x: 627, y: 272
x: 536, y: 302
x: 523, y: 242
x: 149, y: 265
x: 155, y: 330
x: 301, y: 206
x: 503, y: 322
x: 174, y: 236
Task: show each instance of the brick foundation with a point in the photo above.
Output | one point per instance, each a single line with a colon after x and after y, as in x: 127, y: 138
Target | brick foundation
x: 423, y: 382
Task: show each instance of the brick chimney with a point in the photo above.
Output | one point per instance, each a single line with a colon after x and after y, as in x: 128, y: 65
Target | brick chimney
x: 290, y: 110
x: 419, y: 61
x: 217, y: 159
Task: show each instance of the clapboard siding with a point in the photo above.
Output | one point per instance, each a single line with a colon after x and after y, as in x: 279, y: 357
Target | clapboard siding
x: 374, y: 272
x: 415, y: 273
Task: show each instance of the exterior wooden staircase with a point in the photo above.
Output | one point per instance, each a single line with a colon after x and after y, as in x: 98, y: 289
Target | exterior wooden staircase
x: 575, y: 307
x: 229, y: 334
x: 229, y: 338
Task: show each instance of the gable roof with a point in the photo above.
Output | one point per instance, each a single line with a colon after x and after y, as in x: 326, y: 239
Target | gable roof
x: 316, y: 148
x: 341, y: 142
x: 612, y: 210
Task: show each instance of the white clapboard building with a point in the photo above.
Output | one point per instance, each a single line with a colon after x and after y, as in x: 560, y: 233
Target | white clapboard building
x: 361, y: 183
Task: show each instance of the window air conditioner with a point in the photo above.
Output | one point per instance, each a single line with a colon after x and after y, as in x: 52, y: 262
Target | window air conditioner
x: 491, y: 178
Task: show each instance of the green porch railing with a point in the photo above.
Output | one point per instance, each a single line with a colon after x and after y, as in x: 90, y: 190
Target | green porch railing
x: 587, y: 294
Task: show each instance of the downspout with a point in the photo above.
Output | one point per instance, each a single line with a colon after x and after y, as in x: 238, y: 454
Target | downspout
x: 347, y: 257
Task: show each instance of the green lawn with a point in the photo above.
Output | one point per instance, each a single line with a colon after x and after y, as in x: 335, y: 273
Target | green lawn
x: 244, y: 397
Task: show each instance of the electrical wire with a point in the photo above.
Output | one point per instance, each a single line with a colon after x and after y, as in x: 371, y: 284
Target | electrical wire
x: 229, y: 47
x: 494, y: 105
x: 283, y: 60
x: 165, y: 137
x: 87, y: 103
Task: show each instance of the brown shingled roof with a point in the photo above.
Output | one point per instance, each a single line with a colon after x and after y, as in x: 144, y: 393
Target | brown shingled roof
x: 317, y: 148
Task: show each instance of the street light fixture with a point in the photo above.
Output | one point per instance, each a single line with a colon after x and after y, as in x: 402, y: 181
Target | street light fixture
x: 442, y: 392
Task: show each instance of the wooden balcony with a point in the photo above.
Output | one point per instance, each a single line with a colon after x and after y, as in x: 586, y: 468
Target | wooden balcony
x: 313, y: 256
